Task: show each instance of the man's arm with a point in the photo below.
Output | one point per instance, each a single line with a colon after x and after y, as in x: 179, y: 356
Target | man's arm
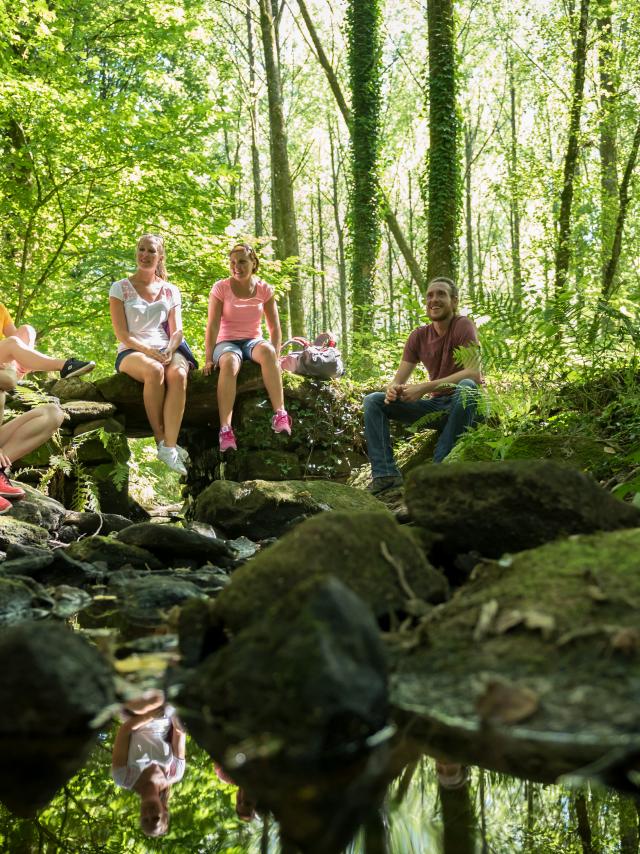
x: 10, y: 329
x: 395, y: 389
x: 470, y: 371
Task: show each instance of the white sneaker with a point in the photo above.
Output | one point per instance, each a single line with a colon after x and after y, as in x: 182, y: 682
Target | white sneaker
x: 169, y: 456
x: 183, y: 455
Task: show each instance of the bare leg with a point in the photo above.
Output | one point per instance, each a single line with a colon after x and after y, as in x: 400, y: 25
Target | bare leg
x: 28, y: 431
x: 151, y: 373
x: 174, y: 401
x: 13, y: 349
x: 265, y: 356
x: 27, y: 334
x: 229, y: 366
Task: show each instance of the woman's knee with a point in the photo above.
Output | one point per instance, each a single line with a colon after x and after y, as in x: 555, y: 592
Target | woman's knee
x: 264, y: 354
x: 153, y: 373
x: 229, y: 364
x: 176, y: 377
x: 54, y: 415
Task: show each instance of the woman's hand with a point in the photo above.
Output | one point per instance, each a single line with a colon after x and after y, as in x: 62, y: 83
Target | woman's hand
x: 5, y: 461
x: 208, y: 367
x: 158, y: 355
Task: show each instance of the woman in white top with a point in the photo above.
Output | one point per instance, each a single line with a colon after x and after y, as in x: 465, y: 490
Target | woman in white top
x: 148, y: 757
x: 147, y: 320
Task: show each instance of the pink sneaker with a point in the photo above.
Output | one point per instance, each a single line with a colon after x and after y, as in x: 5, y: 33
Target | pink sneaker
x: 227, y: 439
x: 281, y: 422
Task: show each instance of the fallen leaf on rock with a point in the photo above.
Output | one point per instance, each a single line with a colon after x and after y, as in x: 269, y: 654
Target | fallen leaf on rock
x: 485, y: 618
x: 538, y: 621
x: 506, y: 703
x: 626, y: 641
x: 507, y: 620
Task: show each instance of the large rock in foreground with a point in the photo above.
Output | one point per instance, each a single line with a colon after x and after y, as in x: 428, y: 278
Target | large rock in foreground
x: 549, y: 639
x: 493, y: 508
x: 173, y: 544
x: 261, y: 508
x: 367, y: 551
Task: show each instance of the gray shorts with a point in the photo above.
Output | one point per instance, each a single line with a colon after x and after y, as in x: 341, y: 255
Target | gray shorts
x: 242, y: 349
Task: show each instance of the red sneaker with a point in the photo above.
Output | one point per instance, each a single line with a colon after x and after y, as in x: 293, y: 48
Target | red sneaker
x: 281, y: 422
x: 7, y: 490
x: 227, y: 440
x: 4, y: 505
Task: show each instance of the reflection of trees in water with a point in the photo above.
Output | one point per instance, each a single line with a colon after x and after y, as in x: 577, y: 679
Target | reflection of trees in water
x: 91, y: 814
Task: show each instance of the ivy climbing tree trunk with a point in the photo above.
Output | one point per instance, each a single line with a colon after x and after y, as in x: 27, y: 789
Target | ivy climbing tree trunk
x: 286, y: 231
x: 364, y: 50
x: 444, y: 198
x: 563, y: 242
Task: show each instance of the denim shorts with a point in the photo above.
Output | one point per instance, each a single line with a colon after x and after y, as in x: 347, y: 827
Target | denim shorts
x: 121, y: 356
x: 242, y: 349
x: 179, y: 360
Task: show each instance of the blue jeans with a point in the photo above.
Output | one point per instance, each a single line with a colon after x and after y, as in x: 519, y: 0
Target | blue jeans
x: 459, y: 412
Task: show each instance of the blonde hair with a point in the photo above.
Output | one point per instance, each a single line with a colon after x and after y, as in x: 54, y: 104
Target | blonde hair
x: 161, y: 270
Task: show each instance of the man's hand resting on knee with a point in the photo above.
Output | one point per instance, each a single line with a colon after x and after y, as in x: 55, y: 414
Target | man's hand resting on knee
x: 394, y: 391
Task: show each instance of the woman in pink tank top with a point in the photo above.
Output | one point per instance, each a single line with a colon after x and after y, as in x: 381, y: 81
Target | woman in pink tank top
x: 236, y: 308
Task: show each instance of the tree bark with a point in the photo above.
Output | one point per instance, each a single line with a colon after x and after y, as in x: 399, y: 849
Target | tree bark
x: 340, y: 259
x: 627, y: 825
x: 514, y: 199
x: 563, y: 243
x: 258, y: 225
x: 584, y: 828
x: 323, y: 272
x: 469, y: 139
x: 444, y: 173
x: 364, y: 49
x: 285, y: 219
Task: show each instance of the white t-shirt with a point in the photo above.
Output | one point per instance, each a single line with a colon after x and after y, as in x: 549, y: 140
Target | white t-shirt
x: 145, y: 319
x: 147, y: 746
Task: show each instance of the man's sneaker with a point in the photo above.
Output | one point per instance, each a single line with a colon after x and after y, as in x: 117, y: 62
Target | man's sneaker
x: 5, y: 505
x: 75, y: 368
x: 227, y: 440
x: 7, y: 490
x: 388, y: 481
x: 169, y: 456
x: 8, y: 378
x: 281, y: 422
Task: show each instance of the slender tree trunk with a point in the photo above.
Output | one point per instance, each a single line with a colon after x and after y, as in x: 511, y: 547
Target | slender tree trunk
x: 584, y: 827
x: 323, y: 272
x: 392, y: 296
x: 258, y: 226
x: 287, y: 236
x: 627, y: 825
x: 458, y: 821
x: 608, y: 131
x: 563, y: 243
x: 444, y: 173
x: 314, y: 275
x: 514, y: 189
x: 340, y: 259
x: 405, y: 246
x: 469, y: 139
x: 608, y: 285
x: 364, y: 49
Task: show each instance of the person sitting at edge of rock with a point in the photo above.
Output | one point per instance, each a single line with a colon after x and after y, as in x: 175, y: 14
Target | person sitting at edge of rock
x: 18, y: 356
x: 20, y: 436
x: 452, y: 388
x: 233, y: 335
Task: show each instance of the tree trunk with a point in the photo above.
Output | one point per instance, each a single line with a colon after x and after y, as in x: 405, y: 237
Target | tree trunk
x: 608, y: 284
x: 314, y: 276
x: 364, y: 50
x: 469, y: 139
x: 584, y: 828
x: 514, y: 190
x: 444, y: 173
x: 627, y: 825
x: 563, y: 243
x: 258, y: 226
x: 340, y: 259
x: 608, y: 131
x: 405, y: 246
x: 323, y: 272
x: 392, y: 299
x: 285, y: 219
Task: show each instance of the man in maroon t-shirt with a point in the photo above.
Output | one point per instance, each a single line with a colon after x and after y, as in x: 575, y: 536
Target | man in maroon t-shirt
x: 452, y: 389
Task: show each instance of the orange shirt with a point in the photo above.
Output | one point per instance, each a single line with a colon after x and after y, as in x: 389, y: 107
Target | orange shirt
x: 5, y: 318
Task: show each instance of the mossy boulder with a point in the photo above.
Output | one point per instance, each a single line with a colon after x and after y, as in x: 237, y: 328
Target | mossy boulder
x: 38, y: 509
x: 574, y: 449
x: 112, y: 552
x: 553, y: 632
x: 18, y: 597
x: 87, y: 410
x: 174, y: 544
x: 261, y: 509
x: 493, y: 508
x: 15, y: 531
x: 367, y: 551
x: 75, y: 388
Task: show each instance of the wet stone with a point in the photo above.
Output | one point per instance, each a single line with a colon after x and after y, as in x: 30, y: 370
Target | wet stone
x: 68, y: 601
x: 173, y: 543
x: 38, y: 509
x: 21, y: 600
x: 146, y: 602
x: 113, y: 553
x: 15, y: 531
x: 92, y: 523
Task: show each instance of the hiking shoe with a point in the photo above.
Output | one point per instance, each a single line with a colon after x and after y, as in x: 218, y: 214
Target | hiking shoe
x: 388, y: 481
x: 227, y: 440
x: 183, y: 456
x: 75, y: 368
x: 8, y: 378
x: 7, y: 490
x: 281, y: 422
x: 5, y: 505
x: 169, y: 456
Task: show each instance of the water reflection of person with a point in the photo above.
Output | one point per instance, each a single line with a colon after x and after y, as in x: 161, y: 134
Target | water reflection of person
x: 245, y: 804
x: 149, y: 756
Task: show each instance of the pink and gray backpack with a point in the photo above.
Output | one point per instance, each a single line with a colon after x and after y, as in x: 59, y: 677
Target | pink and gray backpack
x: 320, y: 359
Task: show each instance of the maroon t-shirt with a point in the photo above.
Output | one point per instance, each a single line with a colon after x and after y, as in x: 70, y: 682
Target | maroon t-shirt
x: 436, y: 352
